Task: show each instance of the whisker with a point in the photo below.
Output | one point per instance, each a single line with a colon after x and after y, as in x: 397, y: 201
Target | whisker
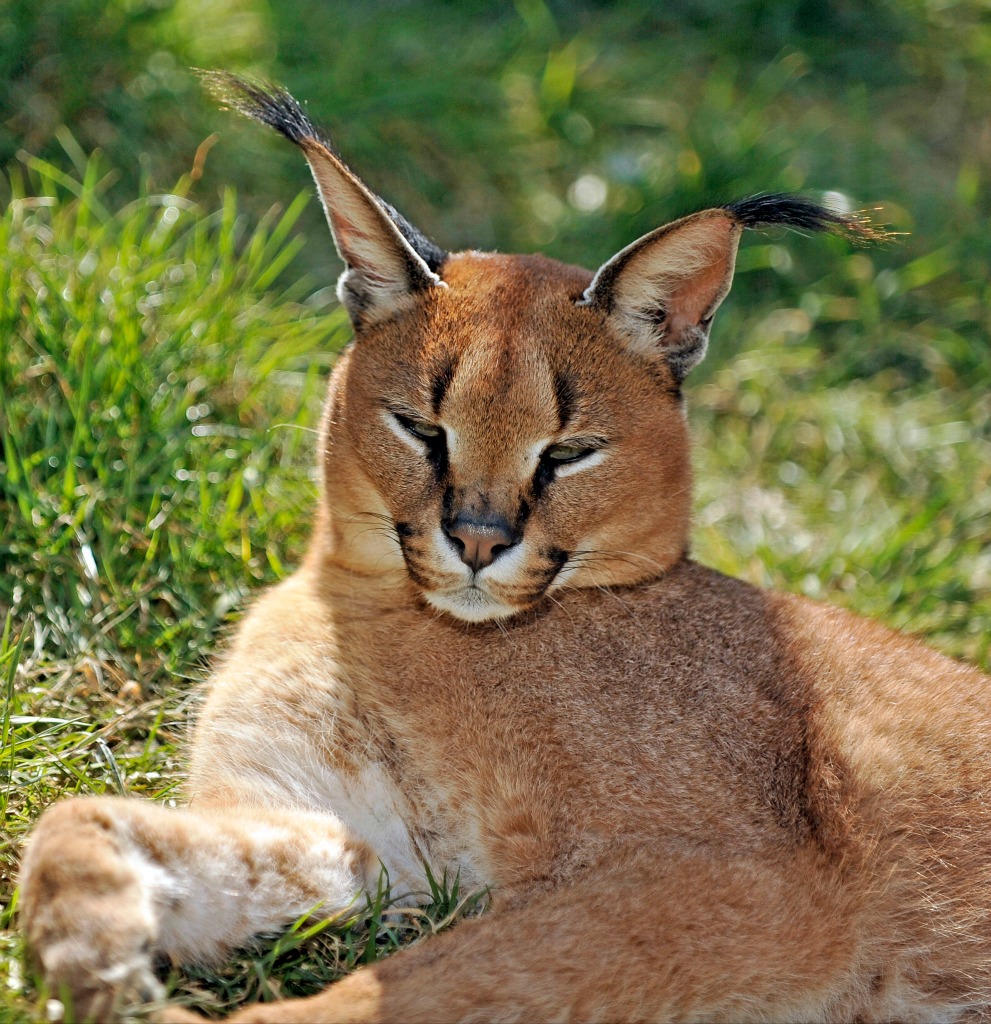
x: 293, y: 426
x: 390, y: 534
x: 560, y: 604
x: 609, y: 592
x: 602, y: 589
x: 628, y: 557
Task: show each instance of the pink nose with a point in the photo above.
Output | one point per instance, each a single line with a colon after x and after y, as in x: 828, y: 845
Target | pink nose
x: 479, y: 544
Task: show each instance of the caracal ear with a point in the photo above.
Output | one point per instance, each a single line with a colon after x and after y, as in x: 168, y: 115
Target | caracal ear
x: 388, y: 261
x: 661, y: 292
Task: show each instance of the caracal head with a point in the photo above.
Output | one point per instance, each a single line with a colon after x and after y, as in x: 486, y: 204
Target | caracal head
x: 508, y: 427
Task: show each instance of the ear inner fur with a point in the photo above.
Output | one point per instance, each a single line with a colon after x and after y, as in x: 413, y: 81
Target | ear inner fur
x: 661, y: 292
x: 383, y: 269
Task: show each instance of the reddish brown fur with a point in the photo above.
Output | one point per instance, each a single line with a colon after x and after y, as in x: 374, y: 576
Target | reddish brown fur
x: 692, y: 800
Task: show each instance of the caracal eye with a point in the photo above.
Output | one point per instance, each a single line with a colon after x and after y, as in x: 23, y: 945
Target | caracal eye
x: 420, y: 428
x: 559, y: 453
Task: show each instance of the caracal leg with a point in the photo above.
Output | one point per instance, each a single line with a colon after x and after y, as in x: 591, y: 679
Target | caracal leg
x: 109, y: 883
x: 648, y: 938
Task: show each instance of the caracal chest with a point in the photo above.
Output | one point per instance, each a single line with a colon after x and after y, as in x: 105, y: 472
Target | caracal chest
x: 505, y: 754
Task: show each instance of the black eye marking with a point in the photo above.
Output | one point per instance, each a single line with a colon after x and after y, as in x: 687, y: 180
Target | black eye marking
x: 522, y: 516
x: 575, y: 449
x: 658, y: 317
x: 542, y: 478
x: 430, y: 435
x: 557, y: 455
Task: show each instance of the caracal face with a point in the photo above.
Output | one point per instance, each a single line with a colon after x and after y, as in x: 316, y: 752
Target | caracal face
x: 507, y: 426
x: 496, y: 454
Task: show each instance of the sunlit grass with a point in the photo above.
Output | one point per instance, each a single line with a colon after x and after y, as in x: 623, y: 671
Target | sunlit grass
x: 159, y: 398
x: 874, y: 499
x: 313, y: 953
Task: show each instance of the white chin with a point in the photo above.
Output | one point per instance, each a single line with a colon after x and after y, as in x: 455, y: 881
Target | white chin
x: 470, y: 605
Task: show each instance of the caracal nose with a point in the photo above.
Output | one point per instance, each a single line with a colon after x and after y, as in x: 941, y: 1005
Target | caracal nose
x: 479, y: 542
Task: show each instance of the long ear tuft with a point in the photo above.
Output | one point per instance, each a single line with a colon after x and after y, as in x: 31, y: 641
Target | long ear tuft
x: 388, y: 259
x: 798, y: 212
x: 263, y: 102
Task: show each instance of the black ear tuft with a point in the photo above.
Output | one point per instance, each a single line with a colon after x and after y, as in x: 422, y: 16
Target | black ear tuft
x: 798, y: 212
x: 263, y: 102
x: 275, y: 107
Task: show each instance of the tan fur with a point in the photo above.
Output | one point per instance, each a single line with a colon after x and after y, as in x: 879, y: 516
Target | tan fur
x: 692, y: 800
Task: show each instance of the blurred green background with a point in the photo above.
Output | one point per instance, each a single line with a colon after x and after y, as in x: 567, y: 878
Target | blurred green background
x: 568, y: 127
x: 565, y: 127
x: 165, y: 332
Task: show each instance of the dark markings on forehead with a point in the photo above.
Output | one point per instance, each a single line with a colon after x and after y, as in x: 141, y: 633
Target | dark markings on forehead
x: 565, y: 395
x: 441, y: 380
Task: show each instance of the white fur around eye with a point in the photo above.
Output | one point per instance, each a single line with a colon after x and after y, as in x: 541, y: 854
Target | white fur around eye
x: 452, y: 442
x: 414, y: 442
x: 536, y: 450
x: 563, y: 469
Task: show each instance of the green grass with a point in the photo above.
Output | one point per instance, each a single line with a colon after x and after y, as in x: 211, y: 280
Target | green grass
x: 312, y: 953
x: 160, y: 384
